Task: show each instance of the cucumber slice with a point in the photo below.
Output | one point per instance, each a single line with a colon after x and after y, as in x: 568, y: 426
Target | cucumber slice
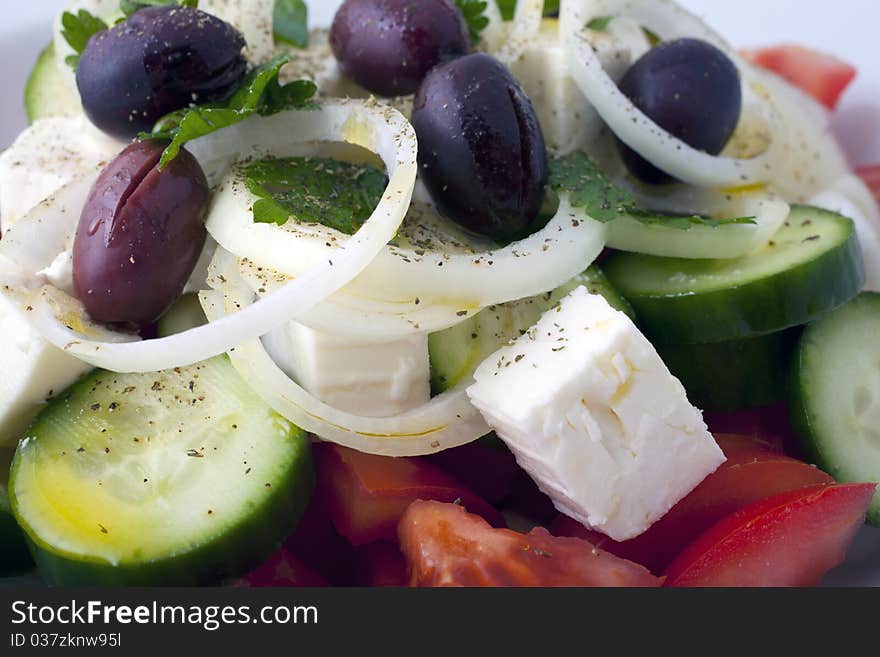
x: 177, y: 477
x: 835, y: 394
x: 186, y: 313
x: 47, y: 93
x: 735, y: 375
x: 14, y: 556
x: 458, y: 350
x: 812, y: 266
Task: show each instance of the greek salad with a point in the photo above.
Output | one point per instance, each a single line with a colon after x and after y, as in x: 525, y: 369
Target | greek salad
x: 452, y: 293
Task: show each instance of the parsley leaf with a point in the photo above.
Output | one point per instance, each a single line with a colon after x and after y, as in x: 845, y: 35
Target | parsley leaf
x: 77, y: 29
x: 474, y: 15
x: 291, y: 22
x: 589, y: 187
x: 508, y: 8
x: 605, y: 201
x: 600, y: 23
x: 339, y: 195
x: 128, y: 7
x: 260, y: 93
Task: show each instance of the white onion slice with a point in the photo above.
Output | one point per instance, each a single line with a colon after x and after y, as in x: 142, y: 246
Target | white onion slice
x: 495, y: 33
x: 468, y: 280
x: 525, y: 27
x: 381, y: 129
x: 446, y: 421
x: 630, y: 124
x: 345, y: 314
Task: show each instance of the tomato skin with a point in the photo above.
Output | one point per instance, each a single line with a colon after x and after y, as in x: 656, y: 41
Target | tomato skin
x: 488, y: 471
x: 822, y: 76
x: 871, y: 176
x: 380, y: 564
x: 282, y: 569
x: 446, y: 546
x: 366, y: 494
x: 751, y: 473
x: 790, y: 539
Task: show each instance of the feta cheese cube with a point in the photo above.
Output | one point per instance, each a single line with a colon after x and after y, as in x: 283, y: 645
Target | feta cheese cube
x: 593, y: 414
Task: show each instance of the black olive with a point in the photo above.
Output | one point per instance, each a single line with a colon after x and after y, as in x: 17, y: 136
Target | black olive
x: 140, y: 235
x: 481, y: 150
x: 161, y: 59
x: 689, y: 88
x: 387, y: 46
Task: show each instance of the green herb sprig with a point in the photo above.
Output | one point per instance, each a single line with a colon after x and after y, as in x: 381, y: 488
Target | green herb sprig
x: 340, y: 195
x: 290, y: 23
x: 77, y: 29
x: 261, y: 93
x: 129, y: 7
x: 589, y: 188
x: 474, y: 12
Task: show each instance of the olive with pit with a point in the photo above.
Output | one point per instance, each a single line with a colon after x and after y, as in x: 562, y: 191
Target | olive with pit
x: 689, y: 88
x: 387, y: 46
x: 159, y: 60
x: 481, y: 150
x: 140, y: 235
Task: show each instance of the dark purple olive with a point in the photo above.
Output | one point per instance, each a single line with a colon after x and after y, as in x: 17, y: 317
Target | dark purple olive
x: 387, y: 46
x: 690, y: 89
x: 481, y: 149
x: 140, y: 235
x: 159, y: 60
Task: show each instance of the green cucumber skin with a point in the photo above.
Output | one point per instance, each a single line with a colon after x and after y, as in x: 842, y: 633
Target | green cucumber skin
x: 238, y: 546
x: 790, y: 298
x: 736, y: 375
x: 246, y: 546
x: 46, y: 94
x: 804, y: 421
x: 15, y: 558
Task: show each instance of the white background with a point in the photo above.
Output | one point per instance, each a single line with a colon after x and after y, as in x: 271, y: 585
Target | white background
x: 848, y: 28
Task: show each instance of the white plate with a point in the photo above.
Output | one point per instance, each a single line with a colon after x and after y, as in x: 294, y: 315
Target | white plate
x: 848, y: 30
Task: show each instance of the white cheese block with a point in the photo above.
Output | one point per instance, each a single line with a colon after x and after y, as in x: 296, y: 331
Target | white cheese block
x: 567, y: 119
x: 594, y: 416
x: 44, y: 158
x: 32, y: 372
x: 369, y: 378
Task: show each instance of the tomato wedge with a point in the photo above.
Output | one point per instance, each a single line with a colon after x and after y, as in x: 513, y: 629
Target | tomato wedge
x: 822, y: 76
x: 444, y: 545
x: 790, y: 539
x: 366, y: 494
x: 751, y: 473
x: 282, y: 569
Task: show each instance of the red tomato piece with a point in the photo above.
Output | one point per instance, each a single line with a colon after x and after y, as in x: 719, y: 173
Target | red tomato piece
x: 751, y: 473
x: 488, y: 471
x: 380, y: 564
x: 871, y: 176
x: 316, y: 542
x: 445, y: 545
x: 366, y: 494
x: 790, y: 539
x: 822, y: 76
x: 282, y: 569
